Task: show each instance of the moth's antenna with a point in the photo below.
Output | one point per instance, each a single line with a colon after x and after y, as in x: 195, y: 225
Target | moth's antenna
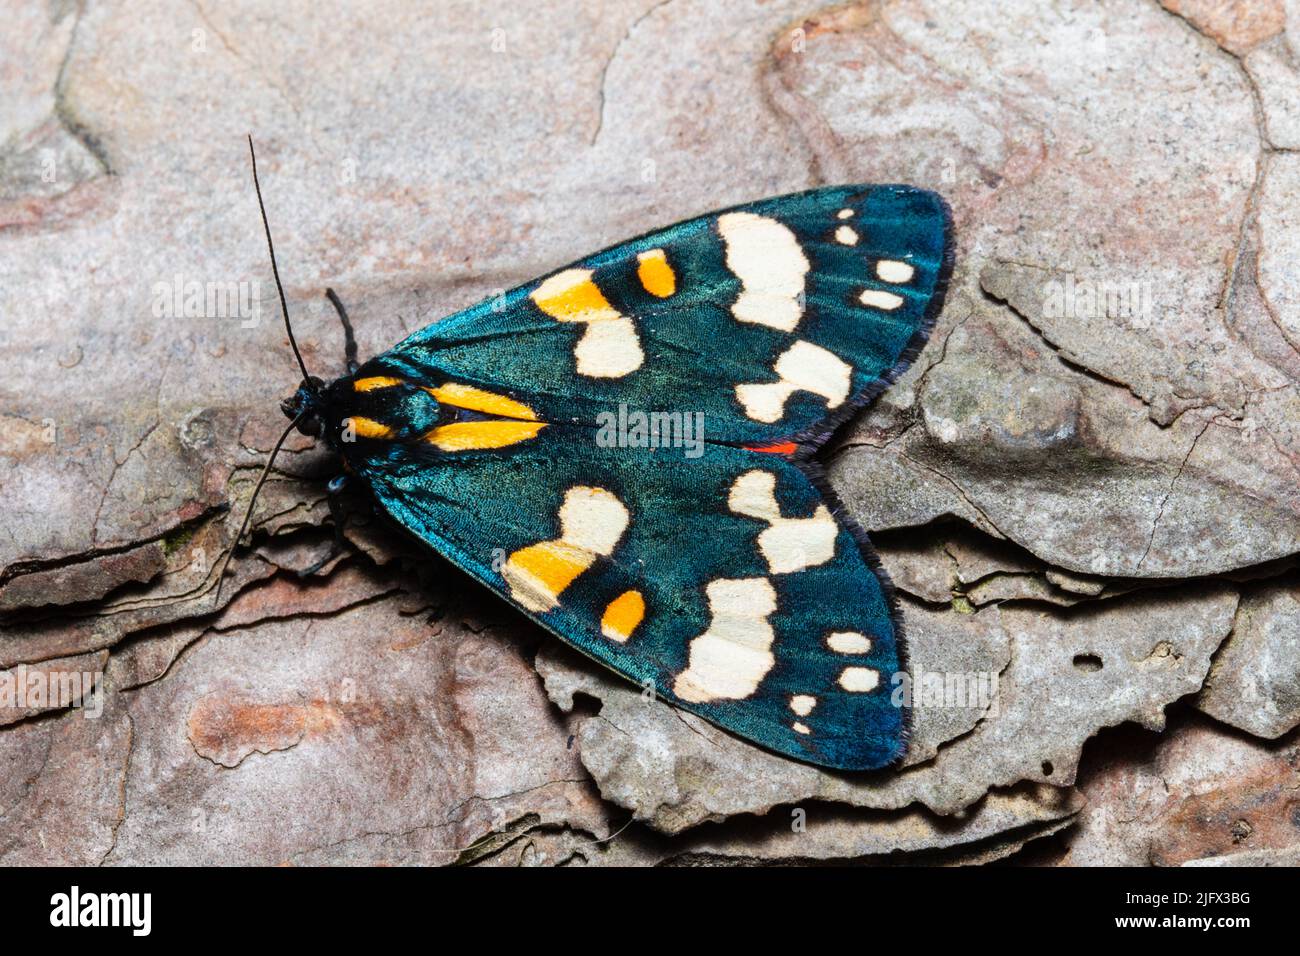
x: 243, y: 526
x: 275, y: 270
x: 349, y: 339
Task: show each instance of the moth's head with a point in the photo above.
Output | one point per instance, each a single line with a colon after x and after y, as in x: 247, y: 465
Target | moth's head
x: 306, y: 401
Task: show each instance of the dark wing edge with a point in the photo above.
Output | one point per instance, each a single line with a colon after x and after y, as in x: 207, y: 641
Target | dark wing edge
x: 810, y: 439
x: 819, y: 433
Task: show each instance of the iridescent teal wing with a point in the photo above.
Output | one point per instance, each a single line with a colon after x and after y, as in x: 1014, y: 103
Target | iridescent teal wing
x: 699, y: 554
x: 774, y: 319
x: 725, y: 582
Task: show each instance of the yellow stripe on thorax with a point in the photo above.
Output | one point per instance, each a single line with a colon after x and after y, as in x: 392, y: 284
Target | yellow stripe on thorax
x: 374, y: 382
x: 369, y: 428
x: 521, y: 423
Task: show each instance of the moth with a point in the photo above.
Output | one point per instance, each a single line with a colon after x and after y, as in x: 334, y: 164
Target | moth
x: 727, y: 578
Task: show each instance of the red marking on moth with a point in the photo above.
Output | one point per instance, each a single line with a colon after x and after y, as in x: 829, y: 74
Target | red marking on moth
x: 781, y: 448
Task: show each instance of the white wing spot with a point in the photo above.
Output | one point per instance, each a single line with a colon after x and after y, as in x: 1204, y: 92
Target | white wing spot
x: 849, y: 642
x: 787, y: 544
x: 803, y: 704
x: 891, y: 270
x: 879, y: 299
x: 844, y: 214
x: 765, y: 256
x: 593, y: 519
x: 801, y: 367
x: 859, y: 680
x: 800, y: 727
x: 846, y: 236
x: 728, y: 661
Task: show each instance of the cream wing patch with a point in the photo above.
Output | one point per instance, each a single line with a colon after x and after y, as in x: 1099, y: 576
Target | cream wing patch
x: 787, y: 544
x: 803, y: 704
x: 859, y: 680
x: 880, y: 299
x: 770, y: 264
x: 848, y: 642
x: 891, y: 270
x: 801, y: 367
x: 610, y: 347
x: 592, y: 520
x: 731, y: 658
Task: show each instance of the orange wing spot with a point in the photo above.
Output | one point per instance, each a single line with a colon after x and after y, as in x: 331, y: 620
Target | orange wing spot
x: 780, y: 448
x: 622, y: 616
x: 467, y: 436
x: 369, y: 428
x: 539, y: 573
x: 609, y: 347
x: 571, y: 296
x: 478, y: 400
x: 656, y: 275
x: 592, y: 520
x: 374, y: 382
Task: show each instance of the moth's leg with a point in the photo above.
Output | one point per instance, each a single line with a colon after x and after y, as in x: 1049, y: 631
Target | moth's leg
x: 339, y: 517
x: 349, y: 340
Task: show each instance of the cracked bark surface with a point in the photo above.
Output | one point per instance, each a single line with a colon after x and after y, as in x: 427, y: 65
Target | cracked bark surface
x: 1097, y: 511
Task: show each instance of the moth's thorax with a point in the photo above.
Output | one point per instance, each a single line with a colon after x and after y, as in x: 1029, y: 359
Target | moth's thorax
x: 374, y: 411
x: 357, y: 409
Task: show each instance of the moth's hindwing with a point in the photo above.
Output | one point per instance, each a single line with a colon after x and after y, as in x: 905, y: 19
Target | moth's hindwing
x: 725, y: 583
x: 715, y: 572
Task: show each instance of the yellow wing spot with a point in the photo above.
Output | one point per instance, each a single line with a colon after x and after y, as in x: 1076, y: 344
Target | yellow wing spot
x: 369, y: 428
x: 656, y: 275
x: 478, y: 400
x: 609, y: 348
x: 374, y: 382
x: 466, y: 436
x: 880, y: 299
x: 622, y: 616
x: 769, y: 262
x: 592, y: 520
x: 891, y: 270
x: 849, y: 642
x: 803, y: 704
